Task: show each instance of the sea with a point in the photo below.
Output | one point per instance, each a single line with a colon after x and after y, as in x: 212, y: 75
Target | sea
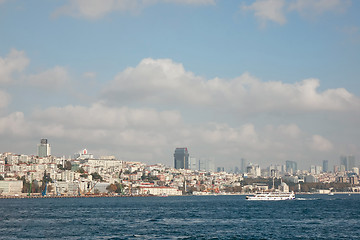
x: 181, y: 217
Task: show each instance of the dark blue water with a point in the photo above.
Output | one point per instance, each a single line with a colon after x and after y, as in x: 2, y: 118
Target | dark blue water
x: 192, y: 217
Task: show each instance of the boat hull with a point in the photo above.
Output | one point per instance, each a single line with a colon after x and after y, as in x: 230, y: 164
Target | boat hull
x: 271, y: 197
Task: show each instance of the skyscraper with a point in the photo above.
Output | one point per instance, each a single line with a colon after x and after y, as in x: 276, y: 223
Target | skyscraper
x: 193, y: 163
x: 243, y: 165
x: 348, y: 162
x: 325, y: 165
x: 351, y: 162
x: 291, y: 166
x: 44, y: 148
x: 181, y: 158
x: 343, y: 162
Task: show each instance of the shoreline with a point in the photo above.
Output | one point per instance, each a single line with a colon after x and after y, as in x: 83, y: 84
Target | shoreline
x: 104, y: 195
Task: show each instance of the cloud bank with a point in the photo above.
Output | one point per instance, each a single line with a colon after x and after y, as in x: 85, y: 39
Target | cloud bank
x: 162, y: 81
x: 118, y: 122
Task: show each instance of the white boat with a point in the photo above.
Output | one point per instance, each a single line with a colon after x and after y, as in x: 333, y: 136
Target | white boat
x: 272, y: 196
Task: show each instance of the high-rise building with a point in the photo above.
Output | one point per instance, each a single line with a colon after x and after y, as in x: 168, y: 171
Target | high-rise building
x: 351, y: 162
x: 348, y: 162
x: 343, y: 162
x: 206, y: 164
x: 325, y: 165
x: 181, y: 158
x: 243, y: 165
x: 193, y: 163
x: 254, y: 170
x: 291, y: 166
x: 44, y: 149
x: 312, y: 169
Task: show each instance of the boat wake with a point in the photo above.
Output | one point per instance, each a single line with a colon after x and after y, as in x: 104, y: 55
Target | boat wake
x: 306, y: 199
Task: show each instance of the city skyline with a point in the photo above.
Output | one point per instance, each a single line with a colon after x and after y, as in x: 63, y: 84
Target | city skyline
x: 267, y: 81
x: 182, y: 159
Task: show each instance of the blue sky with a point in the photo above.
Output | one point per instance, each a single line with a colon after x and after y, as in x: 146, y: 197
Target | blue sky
x: 230, y: 76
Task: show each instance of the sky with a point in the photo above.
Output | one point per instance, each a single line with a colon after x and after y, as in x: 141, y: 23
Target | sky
x: 264, y: 80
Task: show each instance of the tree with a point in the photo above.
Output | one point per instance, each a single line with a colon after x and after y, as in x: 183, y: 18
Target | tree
x: 81, y: 170
x: 67, y: 165
x: 119, y: 188
x: 111, y: 188
x: 35, y: 188
x: 96, y: 176
x: 46, y: 179
x: 1, y: 178
x: 59, y: 166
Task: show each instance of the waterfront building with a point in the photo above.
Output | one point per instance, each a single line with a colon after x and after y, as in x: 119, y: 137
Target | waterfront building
x: 11, y: 187
x: 310, y: 179
x: 354, y: 180
x: 181, y: 158
x: 44, y: 149
x: 67, y: 188
x: 283, y: 187
x: 2, y: 167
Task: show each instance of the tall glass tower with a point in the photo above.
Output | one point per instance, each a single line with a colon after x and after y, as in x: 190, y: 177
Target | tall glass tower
x: 44, y: 149
x: 325, y: 165
x: 291, y: 166
x: 181, y: 158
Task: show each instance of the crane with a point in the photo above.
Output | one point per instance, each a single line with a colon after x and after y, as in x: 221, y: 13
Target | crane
x: 43, y: 193
x: 92, y: 188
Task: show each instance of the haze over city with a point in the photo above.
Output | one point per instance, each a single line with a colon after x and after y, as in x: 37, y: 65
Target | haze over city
x: 265, y: 80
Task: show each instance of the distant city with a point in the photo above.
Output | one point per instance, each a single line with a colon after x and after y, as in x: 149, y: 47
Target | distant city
x: 83, y: 174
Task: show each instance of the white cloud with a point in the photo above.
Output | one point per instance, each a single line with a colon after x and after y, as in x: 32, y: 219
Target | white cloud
x: 4, y: 99
x: 291, y: 130
x: 267, y: 10
x: 15, y: 125
x: 140, y: 134
x: 14, y: 62
x: 276, y: 10
x: 100, y: 116
x: 320, y: 143
x: 89, y: 75
x: 164, y: 82
x: 94, y: 9
x: 152, y: 135
x: 50, y: 79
